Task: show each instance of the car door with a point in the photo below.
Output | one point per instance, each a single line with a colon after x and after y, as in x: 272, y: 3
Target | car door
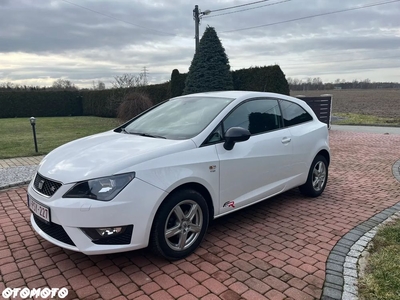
x: 257, y: 168
x: 301, y: 127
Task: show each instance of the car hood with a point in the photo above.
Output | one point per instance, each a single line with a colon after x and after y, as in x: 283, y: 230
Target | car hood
x: 105, y: 154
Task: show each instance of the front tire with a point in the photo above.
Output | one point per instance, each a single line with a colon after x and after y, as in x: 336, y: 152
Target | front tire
x: 317, y: 178
x: 179, y: 225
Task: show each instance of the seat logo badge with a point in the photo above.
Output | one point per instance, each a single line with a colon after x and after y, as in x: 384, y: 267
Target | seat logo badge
x: 40, y: 185
x: 212, y: 168
x: 229, y: 204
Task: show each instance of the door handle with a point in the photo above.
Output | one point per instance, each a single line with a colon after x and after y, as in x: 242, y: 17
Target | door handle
x: 286, y: 140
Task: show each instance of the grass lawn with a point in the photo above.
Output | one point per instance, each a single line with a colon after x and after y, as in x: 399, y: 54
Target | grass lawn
x: 356, y: 119
x: 382, y: 277
x: 16, y: 138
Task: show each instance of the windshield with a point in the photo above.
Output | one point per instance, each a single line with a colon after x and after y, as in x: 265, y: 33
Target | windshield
x: 178, y: 118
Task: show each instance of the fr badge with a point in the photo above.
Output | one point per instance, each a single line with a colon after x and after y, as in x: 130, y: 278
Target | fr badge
x: 229, y: 204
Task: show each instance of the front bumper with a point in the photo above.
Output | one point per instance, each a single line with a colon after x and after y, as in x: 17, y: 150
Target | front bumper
x: 135, y: 207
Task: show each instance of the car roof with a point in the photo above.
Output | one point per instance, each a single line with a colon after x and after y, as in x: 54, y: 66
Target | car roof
x: 227, y: 94
x: 236, y: 94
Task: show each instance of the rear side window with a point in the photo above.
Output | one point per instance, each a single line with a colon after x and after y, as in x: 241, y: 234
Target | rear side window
x: 293, y: 113
x: 258, y: 116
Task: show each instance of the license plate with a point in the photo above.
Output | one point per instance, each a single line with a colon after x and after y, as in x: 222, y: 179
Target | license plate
x: 39, y: 209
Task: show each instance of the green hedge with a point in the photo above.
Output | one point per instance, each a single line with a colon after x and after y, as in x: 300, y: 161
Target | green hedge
x: 16, y: 104
x: 177, y: 83
x: 105, y: 103
x: 264, y: 79
x: 102, y: 103
x: 72, y: 103
x: 157, y: 92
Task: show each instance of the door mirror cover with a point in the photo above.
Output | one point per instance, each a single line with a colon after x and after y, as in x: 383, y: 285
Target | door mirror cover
x: 234, y: 135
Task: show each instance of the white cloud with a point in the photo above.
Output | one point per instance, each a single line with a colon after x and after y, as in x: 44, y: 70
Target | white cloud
x: 49, y: 39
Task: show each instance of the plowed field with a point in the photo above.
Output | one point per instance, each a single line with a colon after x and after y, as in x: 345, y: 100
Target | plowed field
x: 380, y: 102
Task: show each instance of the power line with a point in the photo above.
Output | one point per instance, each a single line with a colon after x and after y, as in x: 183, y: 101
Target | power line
x: 312, y: 16
x: 266, y: 53
x: 120, y: 20
x: 241, y: 5
x: 334, y: 62
x: 347, y: 60
x: 237, y: 11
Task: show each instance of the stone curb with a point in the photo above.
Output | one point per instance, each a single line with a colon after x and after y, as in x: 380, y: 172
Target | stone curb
x: 14, y: 184
x: 396, y: 170
x: 341, y: 279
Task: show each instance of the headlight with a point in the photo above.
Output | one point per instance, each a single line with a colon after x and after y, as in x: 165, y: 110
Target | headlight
x: 103, y: 189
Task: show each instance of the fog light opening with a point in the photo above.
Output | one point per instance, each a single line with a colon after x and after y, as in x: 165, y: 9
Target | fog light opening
x: 106, y: 232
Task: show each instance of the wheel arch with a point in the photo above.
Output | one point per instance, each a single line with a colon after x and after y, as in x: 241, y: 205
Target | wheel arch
x: 325, y: 154
x: 154, y: 242
x: 201, y: 189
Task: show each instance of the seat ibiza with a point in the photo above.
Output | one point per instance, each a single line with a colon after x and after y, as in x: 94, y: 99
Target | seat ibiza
x: 160, y: 178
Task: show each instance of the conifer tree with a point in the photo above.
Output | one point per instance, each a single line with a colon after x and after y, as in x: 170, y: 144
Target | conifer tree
x: 210, y: 69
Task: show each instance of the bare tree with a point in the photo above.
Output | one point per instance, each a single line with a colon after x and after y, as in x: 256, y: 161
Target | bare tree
x: 8, y: 85
x: 128, y: 80
x: 99, y: 85
x: 133, y: 104
x: 317, y: 83
x: 63, y: 84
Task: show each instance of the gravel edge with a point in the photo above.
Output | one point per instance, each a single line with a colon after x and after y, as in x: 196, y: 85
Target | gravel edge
x: 341, y: 275
x: 16, y: 176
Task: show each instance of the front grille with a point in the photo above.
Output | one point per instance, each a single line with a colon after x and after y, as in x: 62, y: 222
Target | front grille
x: 121, y: 239
x: 45, y: 186
x: 55, y: 231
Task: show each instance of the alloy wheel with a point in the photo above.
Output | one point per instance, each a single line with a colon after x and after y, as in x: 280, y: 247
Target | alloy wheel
x: 319, y: 176
x: 183, y: 225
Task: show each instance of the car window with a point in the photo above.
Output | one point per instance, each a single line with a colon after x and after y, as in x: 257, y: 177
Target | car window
x: 258, y: 116
x: 215, y: 137
x: 179, y: 118
x: 293, y: 113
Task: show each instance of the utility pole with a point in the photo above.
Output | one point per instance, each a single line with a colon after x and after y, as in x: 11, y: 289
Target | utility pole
x: 197, y: 14
x: 196, y: 17
x: 145, y: 76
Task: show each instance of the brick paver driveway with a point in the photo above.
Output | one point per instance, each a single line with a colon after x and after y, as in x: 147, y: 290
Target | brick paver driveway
x: 274, y: 250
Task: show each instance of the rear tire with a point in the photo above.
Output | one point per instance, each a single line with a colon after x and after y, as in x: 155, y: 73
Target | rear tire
x: 179, y: 225
x: 317, y: 178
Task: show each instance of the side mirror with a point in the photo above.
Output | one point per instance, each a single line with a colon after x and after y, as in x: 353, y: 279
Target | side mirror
x: 234, y: 135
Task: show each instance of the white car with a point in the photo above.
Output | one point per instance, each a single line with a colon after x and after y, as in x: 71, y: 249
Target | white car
x: 160, y: 178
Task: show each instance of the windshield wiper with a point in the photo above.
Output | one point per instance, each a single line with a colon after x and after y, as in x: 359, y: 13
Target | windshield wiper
x: 147, y: 135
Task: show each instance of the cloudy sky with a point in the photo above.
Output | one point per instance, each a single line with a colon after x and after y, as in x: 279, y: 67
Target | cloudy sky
x: 89, y: 40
